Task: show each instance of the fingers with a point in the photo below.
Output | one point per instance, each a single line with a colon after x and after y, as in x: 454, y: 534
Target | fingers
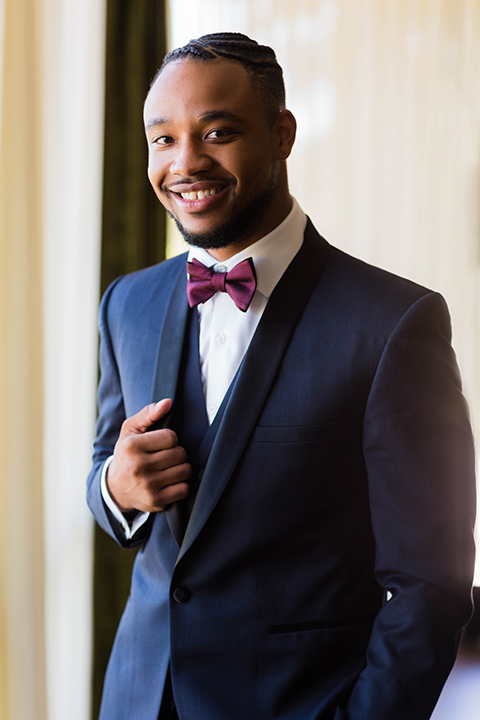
x: 167, y: 486
x: 149, y: 469
x: 168, y: 495
x: 162, y: 490
x: 138, y: 463
x: 137, y: 426
x: 149, y: 483
x: 154, y: 493
x: 146, y: 417
x: 151, y: 442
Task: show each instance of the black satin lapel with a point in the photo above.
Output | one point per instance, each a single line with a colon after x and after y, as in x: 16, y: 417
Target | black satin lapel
x: 257, y: 374
x: 165, y: 378
x: 170, y: 345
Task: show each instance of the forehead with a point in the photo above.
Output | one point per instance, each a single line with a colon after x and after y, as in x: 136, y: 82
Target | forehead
x: 192, y: 88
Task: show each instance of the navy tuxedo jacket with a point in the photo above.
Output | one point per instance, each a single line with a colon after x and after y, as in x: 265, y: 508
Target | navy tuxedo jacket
x: 326, y: 568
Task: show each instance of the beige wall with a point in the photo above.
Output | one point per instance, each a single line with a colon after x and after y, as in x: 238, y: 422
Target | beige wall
x: 51, y: 105
x: 22, y: 641
x: 387, y: 159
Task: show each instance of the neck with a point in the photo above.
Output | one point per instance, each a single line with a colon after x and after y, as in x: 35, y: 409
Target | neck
x: 265, y: 227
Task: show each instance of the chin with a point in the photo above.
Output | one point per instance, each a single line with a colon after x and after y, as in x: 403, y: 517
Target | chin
x: 241, y: 225
x: 212, y: 240
x: 231, y: 232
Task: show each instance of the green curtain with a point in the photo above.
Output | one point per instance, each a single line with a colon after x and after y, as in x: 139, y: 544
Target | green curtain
x: 133, y: 236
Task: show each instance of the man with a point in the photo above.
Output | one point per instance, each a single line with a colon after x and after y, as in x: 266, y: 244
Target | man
x: 290, y: 447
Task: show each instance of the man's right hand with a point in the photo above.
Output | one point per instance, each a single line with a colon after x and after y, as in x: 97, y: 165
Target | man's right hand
x: 149, y: 470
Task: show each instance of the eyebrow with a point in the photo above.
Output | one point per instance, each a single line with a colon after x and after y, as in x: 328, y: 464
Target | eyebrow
x: 155, y: 122
x: 220, y: 115
x: 205, y: 117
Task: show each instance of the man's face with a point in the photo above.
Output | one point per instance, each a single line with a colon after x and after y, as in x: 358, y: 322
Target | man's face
x: 215, y: 156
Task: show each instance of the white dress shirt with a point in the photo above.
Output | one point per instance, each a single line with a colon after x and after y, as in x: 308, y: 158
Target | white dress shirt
x: 225, y: 331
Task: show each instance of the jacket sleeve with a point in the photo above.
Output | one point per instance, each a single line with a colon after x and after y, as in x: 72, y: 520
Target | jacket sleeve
x: 111, y: 414
x: 419, y: 457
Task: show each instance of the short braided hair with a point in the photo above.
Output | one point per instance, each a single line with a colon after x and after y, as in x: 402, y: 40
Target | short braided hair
x: 259, y: 61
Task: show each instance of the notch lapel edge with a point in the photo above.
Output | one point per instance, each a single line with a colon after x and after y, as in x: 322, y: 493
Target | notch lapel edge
x: 256, y: 375
x: 167, y: 368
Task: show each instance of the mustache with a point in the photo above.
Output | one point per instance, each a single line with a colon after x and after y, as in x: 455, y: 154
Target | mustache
x: 186, y: 182
x: 191, y: 181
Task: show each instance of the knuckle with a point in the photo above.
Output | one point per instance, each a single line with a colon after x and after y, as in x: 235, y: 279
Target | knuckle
x: 133, y: 459
x: 187, y: 470
x: 181, y: 454
x: 177, y: 456
x: 129, y: 444
x: 170, y: 438
x: 160, y: 498
x: 135, y: 466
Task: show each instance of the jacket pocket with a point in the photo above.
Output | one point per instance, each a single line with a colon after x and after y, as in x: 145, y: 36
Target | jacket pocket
x: 328, y: 623
x: 296, y: 433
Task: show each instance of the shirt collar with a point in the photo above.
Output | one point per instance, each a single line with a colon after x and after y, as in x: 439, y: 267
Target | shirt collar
x: 271, y: 255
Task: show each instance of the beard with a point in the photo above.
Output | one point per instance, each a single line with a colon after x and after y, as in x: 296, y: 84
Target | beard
x: 241, y: 223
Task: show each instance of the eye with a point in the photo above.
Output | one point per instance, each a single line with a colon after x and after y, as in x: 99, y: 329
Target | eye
x: 221, y: 134
x: 162, y: 140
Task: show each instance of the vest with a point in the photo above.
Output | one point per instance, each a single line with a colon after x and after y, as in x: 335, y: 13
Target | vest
x: 189, y: 417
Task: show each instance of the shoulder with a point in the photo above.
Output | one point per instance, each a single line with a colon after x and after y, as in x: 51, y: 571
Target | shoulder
x: 153, y: 278
x: 132, y: 295
x: 358, y: 293
x: 354, y: 277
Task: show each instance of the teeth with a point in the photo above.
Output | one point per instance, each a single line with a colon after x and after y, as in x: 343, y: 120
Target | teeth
x: 200, y: 195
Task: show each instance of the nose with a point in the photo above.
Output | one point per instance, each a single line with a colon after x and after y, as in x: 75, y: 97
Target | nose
x: 191, y: 159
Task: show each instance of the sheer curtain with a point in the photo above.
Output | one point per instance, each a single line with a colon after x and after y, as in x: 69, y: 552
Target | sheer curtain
x: 74, y: 50
x: 22, y: 638
x: 51, y: 119
x: 387, y: 158
x: 133, y: 236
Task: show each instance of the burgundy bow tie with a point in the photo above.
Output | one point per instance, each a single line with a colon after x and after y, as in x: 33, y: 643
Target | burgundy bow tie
x: 239, y: 283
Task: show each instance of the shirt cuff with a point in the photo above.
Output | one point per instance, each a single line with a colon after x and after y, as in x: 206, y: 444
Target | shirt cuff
x: 129, y: 528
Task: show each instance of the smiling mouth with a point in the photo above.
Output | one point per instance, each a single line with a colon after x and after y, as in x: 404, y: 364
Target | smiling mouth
x: 199, y: 195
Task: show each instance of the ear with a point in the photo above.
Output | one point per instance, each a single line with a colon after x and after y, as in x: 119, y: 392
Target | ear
x: 284, y: 131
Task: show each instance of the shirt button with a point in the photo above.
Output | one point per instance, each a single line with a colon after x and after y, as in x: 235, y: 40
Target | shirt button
x: 182, y: 594
x: 212, y: 409
x: 220, y: 268
x: 221, y: 339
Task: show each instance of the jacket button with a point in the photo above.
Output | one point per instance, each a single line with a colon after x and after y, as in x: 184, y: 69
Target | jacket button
x: 181, y: 594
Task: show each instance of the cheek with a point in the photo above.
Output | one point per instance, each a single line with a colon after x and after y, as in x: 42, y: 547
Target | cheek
x: 151, y: 173
x: 155, y: 177
x: 254, y: 175
x: 155, y: 170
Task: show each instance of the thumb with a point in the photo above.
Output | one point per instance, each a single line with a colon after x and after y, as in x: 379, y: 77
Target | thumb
x: 146, y: 417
